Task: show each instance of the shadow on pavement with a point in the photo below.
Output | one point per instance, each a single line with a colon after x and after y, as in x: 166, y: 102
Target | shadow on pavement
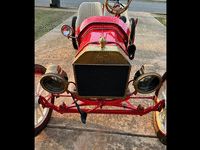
x: 95, y: 136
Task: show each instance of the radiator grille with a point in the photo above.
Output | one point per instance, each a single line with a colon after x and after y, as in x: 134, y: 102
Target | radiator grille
x: 101, y: 80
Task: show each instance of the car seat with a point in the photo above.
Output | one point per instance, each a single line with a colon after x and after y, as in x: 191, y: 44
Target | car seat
x: 88, y: 9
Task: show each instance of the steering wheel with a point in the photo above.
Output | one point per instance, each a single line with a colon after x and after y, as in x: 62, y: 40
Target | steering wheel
x: 116, y: 10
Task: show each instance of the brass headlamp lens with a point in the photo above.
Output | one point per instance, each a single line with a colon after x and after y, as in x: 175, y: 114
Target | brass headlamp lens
x: 55, y: 80
x: 146, y: 80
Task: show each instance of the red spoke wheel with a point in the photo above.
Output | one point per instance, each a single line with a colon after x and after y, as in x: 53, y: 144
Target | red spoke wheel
x: 160, y: 118
x: 41, y: 115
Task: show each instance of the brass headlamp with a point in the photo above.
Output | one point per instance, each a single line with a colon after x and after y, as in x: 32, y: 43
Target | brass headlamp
x: 146, y: 80
x: 54, y: 80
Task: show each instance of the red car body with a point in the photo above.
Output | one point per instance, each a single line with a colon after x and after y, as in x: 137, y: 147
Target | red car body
x: 101, y: 68
x: 112, y: 28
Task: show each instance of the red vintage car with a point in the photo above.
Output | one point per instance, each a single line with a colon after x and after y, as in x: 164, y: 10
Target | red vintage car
x: 104, y: 38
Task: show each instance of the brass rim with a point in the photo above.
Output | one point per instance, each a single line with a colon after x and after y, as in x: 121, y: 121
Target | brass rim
x: 136, y: 82
x: 50, y: 88
x: 161, y: 117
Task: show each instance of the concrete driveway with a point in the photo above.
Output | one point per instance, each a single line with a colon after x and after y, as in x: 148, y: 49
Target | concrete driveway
x: 101, y: 132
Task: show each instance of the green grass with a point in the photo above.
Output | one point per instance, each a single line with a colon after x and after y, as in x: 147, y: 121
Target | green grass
x: 162, y: 20
x: 46, y: 20
x: 161, y: 17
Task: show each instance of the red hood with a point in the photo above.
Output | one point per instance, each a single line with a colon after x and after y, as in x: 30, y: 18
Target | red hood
x: 114, y: 30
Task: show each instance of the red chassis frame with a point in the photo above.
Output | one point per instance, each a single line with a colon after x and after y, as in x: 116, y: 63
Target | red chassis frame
x: 99, y: 103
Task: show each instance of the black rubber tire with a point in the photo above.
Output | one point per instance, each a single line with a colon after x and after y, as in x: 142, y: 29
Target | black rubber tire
x: 160, y: 135
x: 132, y: 30
x: 73, y: 26
x: 41, y: 69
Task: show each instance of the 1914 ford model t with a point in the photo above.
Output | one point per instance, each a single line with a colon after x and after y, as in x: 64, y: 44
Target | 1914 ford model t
x: 101, y: 70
